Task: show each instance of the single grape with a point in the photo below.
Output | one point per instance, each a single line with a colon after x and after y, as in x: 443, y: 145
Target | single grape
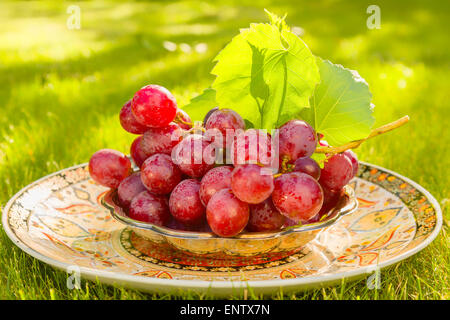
x: 265, y: 216
x: 252, y: 146
x: 337, y: 172
x: 308, y: 166
x: 214, y: 180
x: 210, y: 112
x: 227, y: 122
x: 136, y: 152
x: 183, y: 119
x: 148, y: 207
x: 154, y: 106
x: 250, y: 184
x: 159, y: 174
x: 330, y: 200
x: 109, y: 167
x: 194, y: 156
x: 185, y: 204
x: 297, y: 139
x: 129, y: 121
x: 161, y: 140
x: 354, y: 159
x: 226, y: 214
x: 297, y: 195
x: 130, y: 187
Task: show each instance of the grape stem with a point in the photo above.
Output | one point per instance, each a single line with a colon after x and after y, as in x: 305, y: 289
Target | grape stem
x: 375, y: 132
x: 178, y: 119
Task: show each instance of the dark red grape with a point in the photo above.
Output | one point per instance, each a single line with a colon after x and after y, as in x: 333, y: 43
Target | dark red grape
x: 161, y: 140
x: 130, y: 187
x: 226, y: 214
x: 337, y: 172
x: 265, y: 216
x: 185, y: 204
x: 183, y: 119
x: 308, y: 166
x: 109, y: 167
x: 227, y: 122
x: 330, y: 200
x: 210, y: 112
x: 252, y: 146
x: 194, y: 156
x: 354, y: 159
x: 159, y: 174
x: 148, y: 207
x: 154, y: 106
x: 297, y: 195
x: 129, y: 121
x: 250, y: 184
x: 136, y: 152
x: 214, y: 180
x: 297, y: 139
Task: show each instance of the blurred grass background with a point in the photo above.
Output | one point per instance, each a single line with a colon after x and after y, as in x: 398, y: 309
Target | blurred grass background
x: 61, y: 91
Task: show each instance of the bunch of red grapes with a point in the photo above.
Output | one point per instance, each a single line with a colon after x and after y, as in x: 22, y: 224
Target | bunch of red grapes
x: 178, y: 189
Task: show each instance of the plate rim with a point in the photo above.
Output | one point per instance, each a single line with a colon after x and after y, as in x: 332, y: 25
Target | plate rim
x: 150, y: 282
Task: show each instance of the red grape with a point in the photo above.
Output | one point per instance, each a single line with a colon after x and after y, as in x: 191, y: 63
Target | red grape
x: 297, y: 139
x: 130, y: 187
x: 210, y: 112
x: 226, y: 214
x: 109, y: 167
x: 159, y: 174
x: 308, y: 166
x: 225, y: 120
x: 183, y: 119
x: 154, y: 106
x: 330, y: 200
x: 194, y: 156
x: 252, y: 146
x: 354, y: 159
x: 265, y: 216
x: 214, y: 180
x: 129, y: 121
x: 148, y: 207
x: 161, y: 140
x: 250, y: 184
x: 136, y: 152
x: 337, y: 172
x: 297, y: 195
x: 185, y: 204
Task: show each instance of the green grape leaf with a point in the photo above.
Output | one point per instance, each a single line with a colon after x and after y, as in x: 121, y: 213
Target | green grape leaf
x: 199, y: 106
x: 267, y: 74
x: 340, y: 107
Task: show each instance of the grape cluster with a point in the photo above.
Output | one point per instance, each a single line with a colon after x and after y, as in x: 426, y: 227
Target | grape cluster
x: 183, y: 184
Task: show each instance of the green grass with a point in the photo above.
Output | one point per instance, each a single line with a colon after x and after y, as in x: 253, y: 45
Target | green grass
x: 61, y: 90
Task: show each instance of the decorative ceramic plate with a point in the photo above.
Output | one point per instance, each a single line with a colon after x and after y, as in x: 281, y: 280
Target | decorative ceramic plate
x: 59, y: 220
